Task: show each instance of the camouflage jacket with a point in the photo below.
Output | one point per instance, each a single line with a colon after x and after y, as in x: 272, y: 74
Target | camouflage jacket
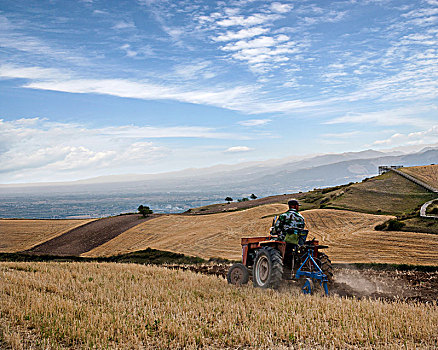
x: 287, y: 221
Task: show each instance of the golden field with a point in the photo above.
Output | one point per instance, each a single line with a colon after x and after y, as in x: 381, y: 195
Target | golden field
x: 121, y: 306
x: 350, y: 235
x: 426, y: 173
x: 213, y: 235
x: 21, y: 234
x: 351, y: 238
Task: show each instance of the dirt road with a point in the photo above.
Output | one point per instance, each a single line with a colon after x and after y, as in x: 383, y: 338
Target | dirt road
x: 88, y: 236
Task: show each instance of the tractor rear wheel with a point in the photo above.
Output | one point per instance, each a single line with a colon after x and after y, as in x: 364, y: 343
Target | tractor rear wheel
x: 326, y: 266
x: 238, y: 274
x: 268, y: 268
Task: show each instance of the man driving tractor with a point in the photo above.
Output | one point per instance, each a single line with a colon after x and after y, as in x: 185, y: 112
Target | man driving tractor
x: 284, y: 255
x: 290, y: 224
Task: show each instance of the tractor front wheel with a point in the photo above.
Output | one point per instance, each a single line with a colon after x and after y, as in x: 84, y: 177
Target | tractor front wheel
x: 268, y: 268
x: 238, y: 274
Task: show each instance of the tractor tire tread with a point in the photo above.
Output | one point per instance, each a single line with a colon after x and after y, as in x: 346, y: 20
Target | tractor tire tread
x: 277, y: 267
x: 326, y: 266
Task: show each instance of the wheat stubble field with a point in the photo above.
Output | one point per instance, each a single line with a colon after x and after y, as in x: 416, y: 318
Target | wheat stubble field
x: 351, y: 238
x: 120, y: 306
x: 350, y: 235
x: 22, y: 234
x: 214, y: 235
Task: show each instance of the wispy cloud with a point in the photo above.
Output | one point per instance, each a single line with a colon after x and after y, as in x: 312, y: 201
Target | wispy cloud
x: 254, y: 122
x: 11, y: 71
x: 124, y: 25
x: 12, y: 38
x: 238, y: 149
x: 227, y: 98
x: 399, y: 116
x: 342, y: 135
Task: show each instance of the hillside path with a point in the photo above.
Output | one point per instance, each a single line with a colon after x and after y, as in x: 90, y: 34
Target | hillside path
x: 424, y: 208
x: 89, y: 236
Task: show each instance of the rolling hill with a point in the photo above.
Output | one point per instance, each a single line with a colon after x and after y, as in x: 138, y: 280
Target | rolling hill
x: 343, y: 217
x: 388, y: 193
x: 351, y: 236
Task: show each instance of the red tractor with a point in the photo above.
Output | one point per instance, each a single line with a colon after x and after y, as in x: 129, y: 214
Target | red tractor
x: 269, y: 261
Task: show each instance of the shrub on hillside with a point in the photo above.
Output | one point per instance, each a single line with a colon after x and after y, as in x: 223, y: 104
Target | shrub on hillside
x: 395, y: 225
x: 390, y: 225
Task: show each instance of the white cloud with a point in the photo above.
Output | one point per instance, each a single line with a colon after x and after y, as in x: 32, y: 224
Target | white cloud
x: 254, y: 122
x: 263, y: 52
x: 238, y: 149
x: 263, y: 41
x: 425, y: 137
x: 248, y: 21
x: 241, y: 34
x: 35, y: 144
x: 281, y: 8
x: 247, y: 99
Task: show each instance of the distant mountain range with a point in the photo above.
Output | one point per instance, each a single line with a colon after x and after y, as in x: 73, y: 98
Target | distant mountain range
x: 276, y: 176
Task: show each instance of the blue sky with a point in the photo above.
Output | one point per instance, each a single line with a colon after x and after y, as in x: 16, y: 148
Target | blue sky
x: 91, y: 88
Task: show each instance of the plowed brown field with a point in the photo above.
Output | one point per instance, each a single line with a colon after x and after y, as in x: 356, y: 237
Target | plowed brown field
x: 427, y: 174
x: 18, y: 235
x: 350, y: 235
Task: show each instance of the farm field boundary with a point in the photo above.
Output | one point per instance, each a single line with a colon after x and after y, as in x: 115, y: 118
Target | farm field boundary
x: 89, y: 236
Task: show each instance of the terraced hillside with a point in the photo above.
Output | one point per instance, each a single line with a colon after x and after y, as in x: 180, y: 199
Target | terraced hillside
x: 17, y: 234
x: 427, y: 174
x: 351, y: 236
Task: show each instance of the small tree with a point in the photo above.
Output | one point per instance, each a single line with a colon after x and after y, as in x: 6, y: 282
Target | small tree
x: 144, y: 210
x: 229, y: 199
x: 253, y: 196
